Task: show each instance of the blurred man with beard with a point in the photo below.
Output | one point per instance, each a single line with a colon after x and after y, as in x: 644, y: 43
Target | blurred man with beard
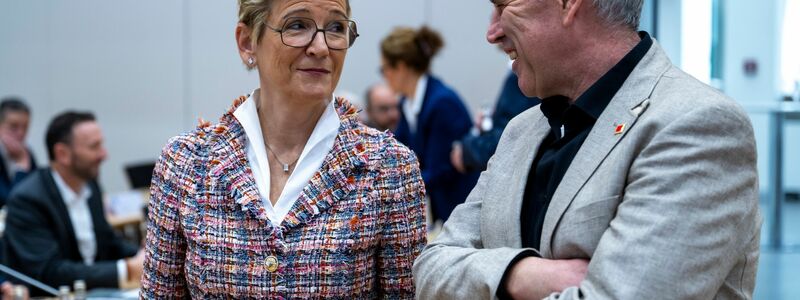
x: 56, y: 231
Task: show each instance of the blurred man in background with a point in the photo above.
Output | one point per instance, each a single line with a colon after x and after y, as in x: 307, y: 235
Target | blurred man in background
x: 382, y: 107
x: 16, y: 160
x: 56, y: 231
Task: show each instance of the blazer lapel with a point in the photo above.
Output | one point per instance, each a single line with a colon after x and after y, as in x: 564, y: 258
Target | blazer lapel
x: 229, y: 164
x: 335, y: 179
x: 61, y: 210
x: 624, y: 109
x: 95, y: 203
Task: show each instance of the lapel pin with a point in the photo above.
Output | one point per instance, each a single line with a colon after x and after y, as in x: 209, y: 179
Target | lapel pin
x: 619, y: 128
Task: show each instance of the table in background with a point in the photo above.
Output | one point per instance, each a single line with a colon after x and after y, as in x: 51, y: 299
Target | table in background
x: 779, y: 113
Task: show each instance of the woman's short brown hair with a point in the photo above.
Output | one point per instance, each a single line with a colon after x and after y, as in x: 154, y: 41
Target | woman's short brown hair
x: 254, y: 14
x: 415, y: 48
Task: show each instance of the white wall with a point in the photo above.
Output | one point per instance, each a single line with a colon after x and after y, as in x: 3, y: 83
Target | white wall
x: 669, y: 28
x: 149, y: 69
x: 751, y: 30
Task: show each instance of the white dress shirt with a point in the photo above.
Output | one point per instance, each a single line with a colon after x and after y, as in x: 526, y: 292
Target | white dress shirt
x: 317, y: 147
x: 412, y: 106
x: 11, y: 166
x: 81, y: 218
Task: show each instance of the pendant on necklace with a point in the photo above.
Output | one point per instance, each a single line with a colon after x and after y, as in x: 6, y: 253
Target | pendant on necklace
x: 286, y: 168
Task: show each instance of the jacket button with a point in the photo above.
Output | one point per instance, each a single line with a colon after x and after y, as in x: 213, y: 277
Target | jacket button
x: 271, y: 263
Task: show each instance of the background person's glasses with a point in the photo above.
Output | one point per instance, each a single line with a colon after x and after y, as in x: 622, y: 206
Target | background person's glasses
x: 298, y: 32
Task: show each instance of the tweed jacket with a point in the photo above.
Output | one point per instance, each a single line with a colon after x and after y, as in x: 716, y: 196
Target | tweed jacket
x: 353, y: 233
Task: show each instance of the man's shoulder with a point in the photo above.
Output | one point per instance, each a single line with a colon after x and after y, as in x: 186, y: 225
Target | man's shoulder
x: 524, y: 120
x: 32, y: 188
x: 678, y: 93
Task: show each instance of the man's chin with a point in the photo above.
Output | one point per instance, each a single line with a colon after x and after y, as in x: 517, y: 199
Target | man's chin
x: 90, y: 175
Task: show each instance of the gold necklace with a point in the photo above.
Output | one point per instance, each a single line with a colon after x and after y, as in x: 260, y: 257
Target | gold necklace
x: 285, y: 166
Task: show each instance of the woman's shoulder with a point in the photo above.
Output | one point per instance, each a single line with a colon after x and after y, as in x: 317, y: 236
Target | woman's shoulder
x: 384, y: 146
x: 193, y: 143
x: 206, y: 134
x: 379, y: 143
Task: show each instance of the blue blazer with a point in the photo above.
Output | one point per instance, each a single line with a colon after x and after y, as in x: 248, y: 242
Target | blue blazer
x: 478, y: 149
x: 7, y: 183
x: 442, y: 120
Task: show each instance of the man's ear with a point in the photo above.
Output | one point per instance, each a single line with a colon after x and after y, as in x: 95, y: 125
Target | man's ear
x: 245, y: 44
x: 63, y: 154
x: 570, y: 11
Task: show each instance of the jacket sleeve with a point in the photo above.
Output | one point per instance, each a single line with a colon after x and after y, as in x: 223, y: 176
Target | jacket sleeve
x: 165, y: 246
x: 456, y: 265
x: 478, y: 149
x: 403, y: 236
x: 37, y: 252
x: 689, y: 213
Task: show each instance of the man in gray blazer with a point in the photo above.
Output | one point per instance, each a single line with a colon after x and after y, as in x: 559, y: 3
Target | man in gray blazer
x: 632, y: 180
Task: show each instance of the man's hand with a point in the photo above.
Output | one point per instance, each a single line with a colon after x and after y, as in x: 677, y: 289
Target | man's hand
x: 537, y: 278
x: 456, y: 158
x: 10, y: 291
x: 16, y: 150
x: 135, y: 266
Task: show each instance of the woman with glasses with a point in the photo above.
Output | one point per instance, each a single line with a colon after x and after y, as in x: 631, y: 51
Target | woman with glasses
x: 432, y: 115
x: 288, y: 196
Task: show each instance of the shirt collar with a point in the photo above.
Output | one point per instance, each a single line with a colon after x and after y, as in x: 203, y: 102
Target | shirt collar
x: 592, y: 102
x: 419, y: 95
x: 597, y: 97
x: 67, y: 194
x: 247, y: 115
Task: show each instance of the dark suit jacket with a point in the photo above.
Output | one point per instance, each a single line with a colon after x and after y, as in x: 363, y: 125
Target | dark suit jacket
x: 7, y: 183
x: 478, y: 149
x: 442, y: 120
x: 40, y: 242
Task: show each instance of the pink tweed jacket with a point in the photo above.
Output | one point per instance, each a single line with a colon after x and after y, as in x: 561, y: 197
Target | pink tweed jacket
x: 353, y: 233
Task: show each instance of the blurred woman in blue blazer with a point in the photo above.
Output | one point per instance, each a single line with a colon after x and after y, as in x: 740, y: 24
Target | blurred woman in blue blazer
x: 432, y: 115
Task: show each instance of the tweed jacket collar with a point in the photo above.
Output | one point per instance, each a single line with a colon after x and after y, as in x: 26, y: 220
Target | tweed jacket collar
x: 330, y: 184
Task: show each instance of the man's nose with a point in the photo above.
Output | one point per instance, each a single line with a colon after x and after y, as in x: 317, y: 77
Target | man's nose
x: 494, y: 34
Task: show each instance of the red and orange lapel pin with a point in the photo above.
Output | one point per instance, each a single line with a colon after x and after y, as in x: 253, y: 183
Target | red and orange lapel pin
x: 619, y: 129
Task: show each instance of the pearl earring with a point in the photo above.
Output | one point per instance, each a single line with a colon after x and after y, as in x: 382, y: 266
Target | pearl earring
x: 251, y: 61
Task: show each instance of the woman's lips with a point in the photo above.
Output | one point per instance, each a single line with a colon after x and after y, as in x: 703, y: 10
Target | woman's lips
x: 315, y: 71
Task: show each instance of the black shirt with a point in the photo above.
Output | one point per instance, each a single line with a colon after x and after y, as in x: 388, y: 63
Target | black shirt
x: 570, y: 125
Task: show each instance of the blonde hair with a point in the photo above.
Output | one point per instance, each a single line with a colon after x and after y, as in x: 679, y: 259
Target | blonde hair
x: 254, y: 15
x: 415, y: 48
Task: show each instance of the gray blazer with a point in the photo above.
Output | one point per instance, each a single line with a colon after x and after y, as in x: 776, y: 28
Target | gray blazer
x: 665, y: 209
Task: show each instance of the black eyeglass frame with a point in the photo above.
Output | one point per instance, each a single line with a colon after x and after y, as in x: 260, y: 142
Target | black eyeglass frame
x: 352, y: 40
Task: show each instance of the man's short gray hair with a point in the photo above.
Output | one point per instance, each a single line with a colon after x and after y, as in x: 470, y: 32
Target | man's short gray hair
x: 620, y: 12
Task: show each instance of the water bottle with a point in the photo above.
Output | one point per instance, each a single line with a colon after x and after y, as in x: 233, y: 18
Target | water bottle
x: 19, y: 292
x: 79, y: 288
x: 63, y: 293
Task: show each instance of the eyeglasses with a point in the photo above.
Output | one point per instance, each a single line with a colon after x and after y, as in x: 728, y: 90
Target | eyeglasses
x: 298, y: 32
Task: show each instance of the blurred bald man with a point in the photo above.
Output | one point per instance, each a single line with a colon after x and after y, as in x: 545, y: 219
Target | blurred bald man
x: 382, y: 107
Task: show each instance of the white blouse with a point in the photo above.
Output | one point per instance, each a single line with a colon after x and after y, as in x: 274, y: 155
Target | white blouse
x: 318, y: 146
x: 412, y: 107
